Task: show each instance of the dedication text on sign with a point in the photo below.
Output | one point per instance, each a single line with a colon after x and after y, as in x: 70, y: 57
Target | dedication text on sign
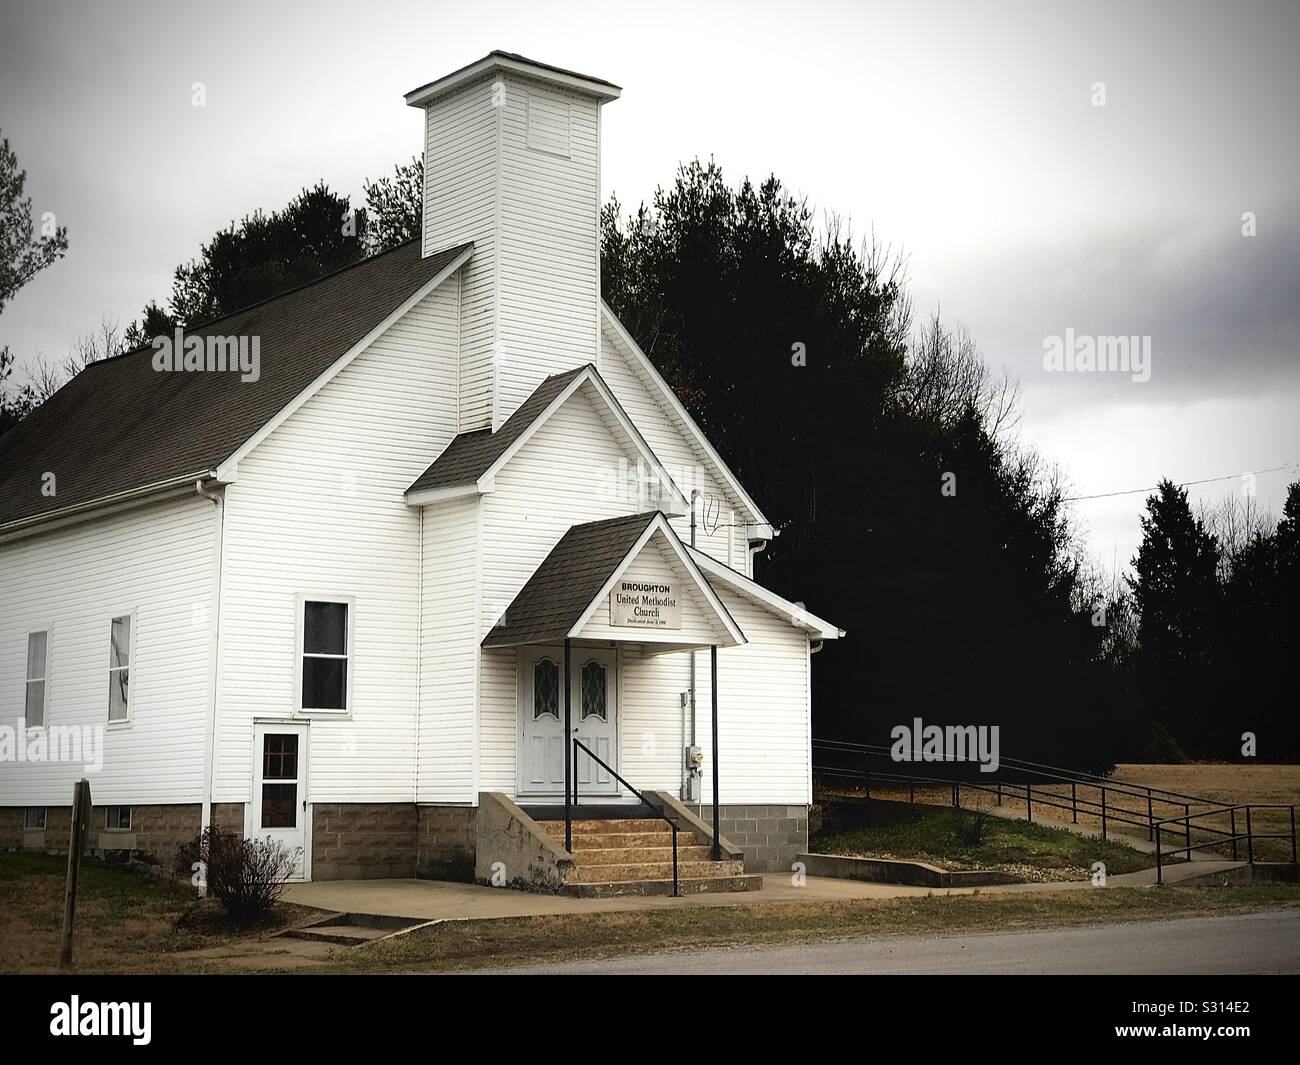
x: 645, y: 605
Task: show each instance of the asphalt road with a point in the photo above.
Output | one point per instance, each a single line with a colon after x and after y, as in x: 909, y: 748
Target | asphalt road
x: 1253, y: 943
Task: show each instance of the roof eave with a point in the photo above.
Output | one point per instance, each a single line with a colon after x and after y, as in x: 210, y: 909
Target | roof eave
x: 604, y: 91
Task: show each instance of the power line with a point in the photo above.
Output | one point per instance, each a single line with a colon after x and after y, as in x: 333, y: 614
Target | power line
x: 1181, y: 484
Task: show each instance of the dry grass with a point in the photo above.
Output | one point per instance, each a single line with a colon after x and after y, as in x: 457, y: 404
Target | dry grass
x: 126, y: 921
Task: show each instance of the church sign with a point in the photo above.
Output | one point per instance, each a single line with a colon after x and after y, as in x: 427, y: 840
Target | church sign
x: 645, y: 605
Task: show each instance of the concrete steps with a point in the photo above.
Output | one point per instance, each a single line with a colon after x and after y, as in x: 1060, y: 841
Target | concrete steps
x: 351, y: 929
x: 634, y: 856
x: 692, y: 886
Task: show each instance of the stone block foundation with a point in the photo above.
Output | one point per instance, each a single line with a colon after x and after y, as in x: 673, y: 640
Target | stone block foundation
x: 363, y: 840
x: 445, y: 842
x: 157, y: 831
x: 771, y: 837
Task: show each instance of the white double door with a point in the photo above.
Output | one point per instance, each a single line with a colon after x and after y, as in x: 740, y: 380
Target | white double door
x: 593, y: 712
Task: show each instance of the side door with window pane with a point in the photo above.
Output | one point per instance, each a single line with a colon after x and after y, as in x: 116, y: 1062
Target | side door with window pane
x: 280, y: 809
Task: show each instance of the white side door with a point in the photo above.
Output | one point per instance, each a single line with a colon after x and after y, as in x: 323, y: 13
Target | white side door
x: 279, y: 807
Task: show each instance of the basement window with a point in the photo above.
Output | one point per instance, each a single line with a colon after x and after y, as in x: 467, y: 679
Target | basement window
x: 325, y: 639
x: 117, y: 817
x: 34, y: 819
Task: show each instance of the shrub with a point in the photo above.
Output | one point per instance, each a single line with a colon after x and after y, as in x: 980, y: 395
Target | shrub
x: 970, y: 829
x: 247, y: 876
x: 1160, y: 747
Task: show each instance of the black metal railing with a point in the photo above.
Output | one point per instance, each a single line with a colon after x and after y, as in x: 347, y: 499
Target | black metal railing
x: 1104, y: 807
x: 568, y: 817
x: 1231, y: 836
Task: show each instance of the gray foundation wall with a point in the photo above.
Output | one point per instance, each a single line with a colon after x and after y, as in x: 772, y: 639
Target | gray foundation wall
x: 771, y: 837
x: 157, y: 831
x: 363, y: 840
x: 446, y: 837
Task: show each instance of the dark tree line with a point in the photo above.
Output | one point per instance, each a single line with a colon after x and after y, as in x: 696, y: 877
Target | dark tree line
x: 1214, y: 652
x: 905, y: 514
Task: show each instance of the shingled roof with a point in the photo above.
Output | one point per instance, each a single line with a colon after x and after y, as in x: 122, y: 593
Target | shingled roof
x: 564, y: 586
x: 470, y: 455
x: 120, y: 426
x: 568, y: 579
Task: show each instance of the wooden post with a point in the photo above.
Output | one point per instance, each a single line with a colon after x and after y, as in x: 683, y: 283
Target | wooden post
x: 80, y: 821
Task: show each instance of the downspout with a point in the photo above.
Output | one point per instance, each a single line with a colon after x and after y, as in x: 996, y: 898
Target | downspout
x: 210, y: 739
x: 689, y: 724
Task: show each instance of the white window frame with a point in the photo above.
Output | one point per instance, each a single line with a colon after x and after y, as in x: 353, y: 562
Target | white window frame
x: 45, y: 815
x: 123, y: 722
x: 130, y: 813
x: 49, y: 653
x: 350, y: 657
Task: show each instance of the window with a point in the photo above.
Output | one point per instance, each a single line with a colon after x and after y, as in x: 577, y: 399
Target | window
x: 34, y: 819
x: 280, y: 780
x: 119, y: 668
x: 325, y: 649
x: 118, y: 817
x: 593, y: 691
x: 38, y: 653
x: 546, y: 689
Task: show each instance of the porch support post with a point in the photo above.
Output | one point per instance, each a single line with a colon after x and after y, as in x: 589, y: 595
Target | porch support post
x: 713, y: 666
x: 568, y: 751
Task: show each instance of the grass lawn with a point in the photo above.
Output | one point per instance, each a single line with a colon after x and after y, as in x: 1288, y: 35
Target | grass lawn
x: 129, y: 923
x: 947, y: 838
x: 126, y: 920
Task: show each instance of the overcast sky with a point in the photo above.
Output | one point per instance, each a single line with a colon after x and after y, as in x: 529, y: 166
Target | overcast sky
x: 965, y: 134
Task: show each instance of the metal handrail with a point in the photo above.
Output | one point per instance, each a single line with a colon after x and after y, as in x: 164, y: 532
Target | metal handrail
x: 568, y: 820
x: 1232, y: 836
x: 1108, y: 812
x: 1057, y: 772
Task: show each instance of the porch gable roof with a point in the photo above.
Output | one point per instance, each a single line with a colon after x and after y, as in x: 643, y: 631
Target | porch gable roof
x: 561, y: 595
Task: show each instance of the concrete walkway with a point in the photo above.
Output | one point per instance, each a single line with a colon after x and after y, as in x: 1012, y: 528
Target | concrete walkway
x: 442, y: 900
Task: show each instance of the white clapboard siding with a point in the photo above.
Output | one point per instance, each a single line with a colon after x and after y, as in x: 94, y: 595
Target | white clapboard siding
x: 155, y: 560
x: 319, y: 509
x: 448, y: 653
x: 764, y: 729
x: 764, y: 719
x: 716, y: 508
x: 549, y: 241
x: 460, y: 204
x: 655, y: 563
x: 652, y: 725
x: 567, y: 474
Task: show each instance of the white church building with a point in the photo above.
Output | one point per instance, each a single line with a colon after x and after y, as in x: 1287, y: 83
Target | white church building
x: 366, y: 602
